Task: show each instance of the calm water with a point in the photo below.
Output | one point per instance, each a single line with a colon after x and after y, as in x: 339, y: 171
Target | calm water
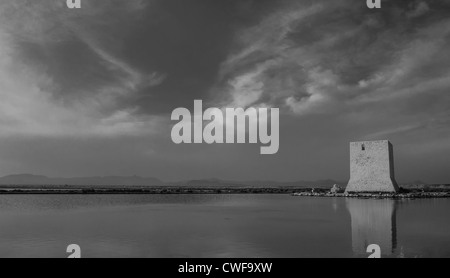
x: 221, y: 226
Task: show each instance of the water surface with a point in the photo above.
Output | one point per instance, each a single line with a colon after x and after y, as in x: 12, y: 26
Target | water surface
x: 221, y: 226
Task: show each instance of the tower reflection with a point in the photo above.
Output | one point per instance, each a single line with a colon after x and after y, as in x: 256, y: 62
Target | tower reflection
x: 373, y: 222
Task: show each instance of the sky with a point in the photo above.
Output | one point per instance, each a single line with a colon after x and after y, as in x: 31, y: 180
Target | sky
x: 90, y: 91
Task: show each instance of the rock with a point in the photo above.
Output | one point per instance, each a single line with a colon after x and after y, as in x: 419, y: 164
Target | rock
x: 335, y: 189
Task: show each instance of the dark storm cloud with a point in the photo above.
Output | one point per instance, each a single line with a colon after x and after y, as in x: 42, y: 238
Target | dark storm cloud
x: 110, y: 73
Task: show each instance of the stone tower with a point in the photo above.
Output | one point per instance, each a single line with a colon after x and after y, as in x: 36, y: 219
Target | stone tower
x: 372, y: 167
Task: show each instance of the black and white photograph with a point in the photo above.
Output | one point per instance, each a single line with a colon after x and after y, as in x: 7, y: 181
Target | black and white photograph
x: 224, y: 129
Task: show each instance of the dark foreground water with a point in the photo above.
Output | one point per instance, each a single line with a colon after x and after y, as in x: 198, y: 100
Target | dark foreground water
x: 221, y: 226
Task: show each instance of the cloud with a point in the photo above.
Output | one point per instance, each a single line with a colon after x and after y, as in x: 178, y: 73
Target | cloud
x: 319, y: 84
x: 341, y: 58
x: 131, y: 78
x: 35, y: 99
x: 420, y: 8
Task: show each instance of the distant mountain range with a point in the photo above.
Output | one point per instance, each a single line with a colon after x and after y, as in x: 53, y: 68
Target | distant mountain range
x: 27, y: 179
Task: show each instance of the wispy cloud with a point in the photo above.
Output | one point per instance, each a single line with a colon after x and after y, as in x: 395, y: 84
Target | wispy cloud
x: 336, y: 58
x: 35, y: 102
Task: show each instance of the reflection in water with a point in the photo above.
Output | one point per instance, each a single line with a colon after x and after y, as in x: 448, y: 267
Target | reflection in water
x: 250, y: 226
x: 373, y: 222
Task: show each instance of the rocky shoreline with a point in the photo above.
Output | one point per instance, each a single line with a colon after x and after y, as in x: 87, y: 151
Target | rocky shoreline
x: 371, y: 195
x: 13, y: 190
x: 290, y: 190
